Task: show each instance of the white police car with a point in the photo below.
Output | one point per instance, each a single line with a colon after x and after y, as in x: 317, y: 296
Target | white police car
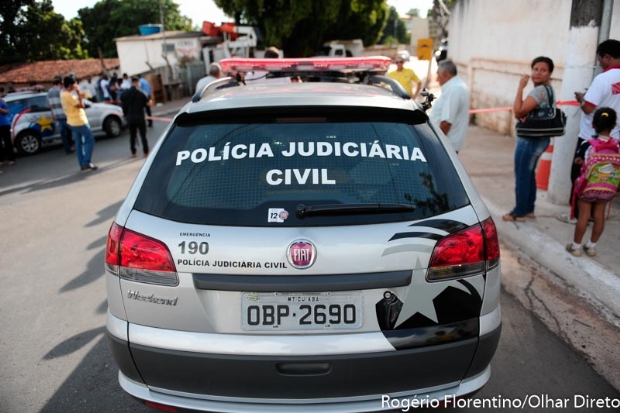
x: 33, y: 126
x: 313, y: 246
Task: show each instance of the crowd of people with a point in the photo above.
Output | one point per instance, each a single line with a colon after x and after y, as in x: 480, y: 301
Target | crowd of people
x: 597, y: 147
x: 450, y: 113
x: 598, y: 129
x: 66, y: 102
x: 132, y: 94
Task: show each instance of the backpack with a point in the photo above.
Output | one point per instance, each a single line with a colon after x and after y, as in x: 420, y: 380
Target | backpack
x: 600, y: 174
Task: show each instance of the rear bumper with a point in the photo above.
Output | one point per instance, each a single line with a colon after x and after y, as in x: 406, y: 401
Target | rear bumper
x: 318, y: 383
x: 371, y: 403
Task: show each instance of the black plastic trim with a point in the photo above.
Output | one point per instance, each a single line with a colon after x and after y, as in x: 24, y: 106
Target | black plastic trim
x: 433, y: 335
x: 348, y: 375
x: 301, y: 283
x: 428, y: 235
x: 487, y: 346
x: 447, y: 225
x: 122, y: 355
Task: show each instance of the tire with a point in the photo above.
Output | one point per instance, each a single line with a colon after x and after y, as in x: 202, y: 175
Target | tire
x: 112, y: 126
x: 28, y: 143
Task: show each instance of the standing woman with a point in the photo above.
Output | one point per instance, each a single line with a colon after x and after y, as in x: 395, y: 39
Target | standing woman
x: 529, y: 150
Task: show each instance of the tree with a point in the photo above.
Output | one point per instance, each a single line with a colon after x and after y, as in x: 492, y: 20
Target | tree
x: 32, y: 31
x: 395, y: 29
x: 440, y: 13
x: 300, y: 27
x: 110, y: 19
x: 11, y: 31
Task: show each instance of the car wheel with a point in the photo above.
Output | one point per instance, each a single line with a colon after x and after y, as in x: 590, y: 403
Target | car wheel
x: 28, y: 143
x: 112, y: 126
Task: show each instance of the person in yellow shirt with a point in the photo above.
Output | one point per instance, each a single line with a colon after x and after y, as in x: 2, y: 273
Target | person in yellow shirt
x: 406, y: 77
x: 71, y: 100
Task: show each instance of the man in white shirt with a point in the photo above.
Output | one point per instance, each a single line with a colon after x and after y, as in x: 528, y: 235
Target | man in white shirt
x: 105, y: 88
x: 88, y: 87
x: 451, y: 111
x: 215, y: 72
x: 603, y: 92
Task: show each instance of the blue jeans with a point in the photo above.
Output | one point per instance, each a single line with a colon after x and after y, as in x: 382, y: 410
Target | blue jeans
x: 84, y: 143
x: 527, y: 154
x: 64, y: 134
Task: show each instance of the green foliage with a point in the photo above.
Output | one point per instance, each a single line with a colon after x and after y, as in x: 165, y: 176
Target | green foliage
x: 395, y: 30
x: 300, y: 27
x: 110, y: 19
x: 32, y: 31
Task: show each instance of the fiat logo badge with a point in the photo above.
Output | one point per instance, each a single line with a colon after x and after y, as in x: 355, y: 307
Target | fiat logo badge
x: 301, y: 254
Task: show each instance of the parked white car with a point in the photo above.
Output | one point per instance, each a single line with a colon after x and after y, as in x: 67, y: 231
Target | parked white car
x: 32, y: 124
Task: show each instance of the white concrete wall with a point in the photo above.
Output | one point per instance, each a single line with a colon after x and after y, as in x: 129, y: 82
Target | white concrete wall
x: 494, y: 41
x: 419, y: 30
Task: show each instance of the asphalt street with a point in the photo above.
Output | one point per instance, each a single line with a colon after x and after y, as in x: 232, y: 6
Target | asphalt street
x: 55, y: 357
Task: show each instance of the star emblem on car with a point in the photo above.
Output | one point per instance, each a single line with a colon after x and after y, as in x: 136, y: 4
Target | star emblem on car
x: 45, y: 123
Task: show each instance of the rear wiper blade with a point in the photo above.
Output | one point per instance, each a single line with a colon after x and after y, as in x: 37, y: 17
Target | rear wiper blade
x: 304, y: 211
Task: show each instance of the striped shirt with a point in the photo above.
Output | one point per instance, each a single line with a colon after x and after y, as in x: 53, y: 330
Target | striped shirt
x: 53, y: 100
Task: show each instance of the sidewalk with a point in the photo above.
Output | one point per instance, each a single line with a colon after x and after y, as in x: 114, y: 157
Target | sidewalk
x: 488, y: 158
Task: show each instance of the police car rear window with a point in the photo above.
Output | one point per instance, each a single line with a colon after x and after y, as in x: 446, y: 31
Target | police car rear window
x: 257, y: 174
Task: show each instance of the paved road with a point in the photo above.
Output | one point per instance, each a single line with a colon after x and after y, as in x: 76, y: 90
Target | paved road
x: 54, y: 223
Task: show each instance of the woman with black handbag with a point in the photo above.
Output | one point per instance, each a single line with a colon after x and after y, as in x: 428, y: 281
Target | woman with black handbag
x: 529, y: 149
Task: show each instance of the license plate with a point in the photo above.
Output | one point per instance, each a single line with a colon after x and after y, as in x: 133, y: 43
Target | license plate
x: 301, y: 311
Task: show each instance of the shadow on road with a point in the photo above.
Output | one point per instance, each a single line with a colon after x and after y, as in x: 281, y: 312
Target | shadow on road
x: 105, y: 215
x: 63, y: 180
x: 94, y: 270
x: 93, y: 385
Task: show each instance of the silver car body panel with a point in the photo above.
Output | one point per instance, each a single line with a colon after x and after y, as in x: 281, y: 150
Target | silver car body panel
x: 195, y: 324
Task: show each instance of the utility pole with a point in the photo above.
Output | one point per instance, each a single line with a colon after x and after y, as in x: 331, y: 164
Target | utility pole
x: 585, y: 21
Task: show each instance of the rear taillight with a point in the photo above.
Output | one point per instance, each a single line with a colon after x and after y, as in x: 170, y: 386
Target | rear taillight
x: 159, y: 406
x: 468, y: 252
x: 136, y: 257
x: 492, y: 243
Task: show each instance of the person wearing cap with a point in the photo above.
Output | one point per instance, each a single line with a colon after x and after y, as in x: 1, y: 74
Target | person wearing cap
x: 58, y: 114
x: 73, y: 105
x: 134, y: 102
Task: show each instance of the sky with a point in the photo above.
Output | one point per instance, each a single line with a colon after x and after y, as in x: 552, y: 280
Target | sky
x: 201, y: 10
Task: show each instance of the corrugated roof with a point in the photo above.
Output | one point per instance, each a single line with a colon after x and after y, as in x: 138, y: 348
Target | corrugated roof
x: 44, y: 72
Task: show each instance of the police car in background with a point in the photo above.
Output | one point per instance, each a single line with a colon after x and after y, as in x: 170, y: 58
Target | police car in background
x: 33, y: 126
x: 310, y: 246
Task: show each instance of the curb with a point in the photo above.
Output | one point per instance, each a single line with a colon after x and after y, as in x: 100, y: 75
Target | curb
x: 596, y: 284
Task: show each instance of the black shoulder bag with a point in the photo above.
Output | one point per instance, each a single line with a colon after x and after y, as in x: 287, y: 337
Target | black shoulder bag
x: 543, y: 122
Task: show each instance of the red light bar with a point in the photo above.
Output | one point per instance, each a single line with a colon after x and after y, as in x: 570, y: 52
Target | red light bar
x: 310, y: 64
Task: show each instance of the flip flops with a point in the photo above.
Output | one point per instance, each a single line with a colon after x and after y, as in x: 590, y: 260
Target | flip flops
x: 511, y: 216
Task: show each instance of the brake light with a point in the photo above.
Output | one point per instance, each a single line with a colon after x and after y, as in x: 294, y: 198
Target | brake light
x: 468, y: 252
x: 159, y: 406
x: 136, y: 257
x: 112, y: 253
x: 492, y: 242
x: 376, y: 63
